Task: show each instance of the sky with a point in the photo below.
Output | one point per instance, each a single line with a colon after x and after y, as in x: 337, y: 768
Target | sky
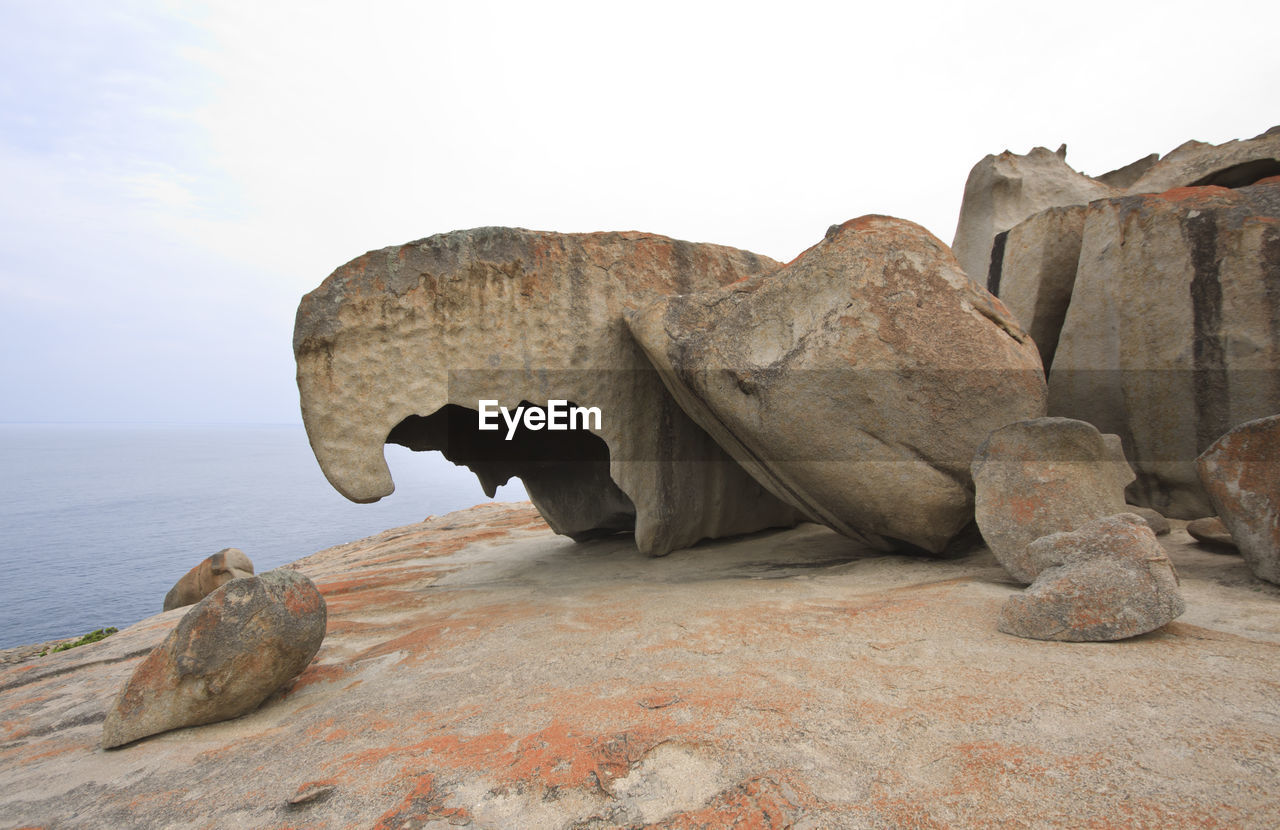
x: 175, y: 176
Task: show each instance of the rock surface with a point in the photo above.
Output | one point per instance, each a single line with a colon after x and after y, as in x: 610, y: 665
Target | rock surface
x: 1043, y: 476
x: 1196, y: 164
x: 1241, y: 473
x: 223, y: 659
x: 202, y: 580
x: 1003, y: 190
x: 1154, y: 518
x: 1171, y: 337
x: 1038, y: 272
x: 856, y: 381
x: 1211, y: 531
x: 479, y: 668
x: 1108, y: 580
x: 401, y: 345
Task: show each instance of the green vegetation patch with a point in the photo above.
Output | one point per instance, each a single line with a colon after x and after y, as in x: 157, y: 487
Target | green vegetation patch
x: 92, y: 637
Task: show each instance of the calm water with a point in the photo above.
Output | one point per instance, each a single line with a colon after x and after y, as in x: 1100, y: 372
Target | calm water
x: 98, y: 522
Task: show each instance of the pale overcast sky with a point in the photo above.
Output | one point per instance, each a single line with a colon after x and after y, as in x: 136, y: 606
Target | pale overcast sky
x: 176, y: 175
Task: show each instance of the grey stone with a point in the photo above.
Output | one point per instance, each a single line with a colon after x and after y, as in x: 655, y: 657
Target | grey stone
x: 855, y: 382
x: 1154, y: 518
x: 1003, y: 190
x: 1039, y: 271
x: 1195, y: 164
x: 1210, y: 530
x: 1241, y: 473
x: 1123, y: 177
x: 1171, y: 336
x: 401, y: 345
x: 1108, y: 580
x: 1043, y: 476
x: 202, y: 580
x: 228, y: 654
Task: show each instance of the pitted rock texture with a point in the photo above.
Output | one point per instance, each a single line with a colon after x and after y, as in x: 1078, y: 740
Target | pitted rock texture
x: 1002, y: 191
x: 479, y: 668
x: 1197, y: 164
x: 202, y: 580
x: 228, y: 654
x: 1241, y: 473
x: 1172, y: 338
x: 1108, y: 580
x: 1043, y: 476
x: 855, y: 382
x: 400, y: 345
x: 1039, y: 271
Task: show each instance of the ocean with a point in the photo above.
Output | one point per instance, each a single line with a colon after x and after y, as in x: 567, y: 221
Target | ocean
x: 97, y: 522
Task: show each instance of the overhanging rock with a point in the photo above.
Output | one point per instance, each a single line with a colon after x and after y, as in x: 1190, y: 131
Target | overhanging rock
x: 401, y: 345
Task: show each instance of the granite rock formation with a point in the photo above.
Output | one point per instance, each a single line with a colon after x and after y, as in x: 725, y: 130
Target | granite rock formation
x: 1043, y: 476
x: 1003, y: 190
x: 1107, y: 580
x: 1241, y: 473
x: 1197, y: 164
x: 202, y: 580
x: 1038, y: 273
x: 1154, y: 518
x: 227, y: 655
x: 856, y: 381
x: 1171, y: 337
x: 401, y: 345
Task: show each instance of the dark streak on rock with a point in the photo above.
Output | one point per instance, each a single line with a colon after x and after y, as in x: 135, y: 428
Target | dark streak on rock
x: 997, y: 262
x: 1208, y: 356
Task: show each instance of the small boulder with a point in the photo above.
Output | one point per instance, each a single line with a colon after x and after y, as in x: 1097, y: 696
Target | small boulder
x: 1241, y: 473
x: 224, y: 658
x: 205, y: 578
x: 1154, y: 518
x: 1108, y: 580
x: 1042, y: 476
x: 1212, y: 532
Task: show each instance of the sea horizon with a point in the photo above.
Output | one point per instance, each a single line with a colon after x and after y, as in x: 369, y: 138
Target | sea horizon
x: 101, y: 518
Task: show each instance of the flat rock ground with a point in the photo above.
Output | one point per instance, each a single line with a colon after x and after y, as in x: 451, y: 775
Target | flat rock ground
x: 481, y: 671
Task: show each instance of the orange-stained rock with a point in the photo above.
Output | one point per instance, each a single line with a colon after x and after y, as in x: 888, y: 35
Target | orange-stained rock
x: 855, y: 382
x: 1241, y: 474
x: 1042, y: 476
x: 202, y: 580
x: 1108, y: 580
x: 401, y: 345
x: 480, y: 668
x: 229, y: 653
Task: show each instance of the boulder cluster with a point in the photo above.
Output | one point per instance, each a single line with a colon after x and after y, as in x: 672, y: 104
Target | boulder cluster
x: 1052, y: 376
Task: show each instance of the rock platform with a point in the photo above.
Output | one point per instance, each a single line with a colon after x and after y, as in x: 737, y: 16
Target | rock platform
x: 481, y: 671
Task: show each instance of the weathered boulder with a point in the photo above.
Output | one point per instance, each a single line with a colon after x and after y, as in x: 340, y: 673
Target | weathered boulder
x: 1171, y: 337
x: 227, y: 655
x: 1107, y: 580
x: 1043, y: 476
x: 1003, y: 190
x: 1038, y: 271
x: 1154, y: 518
x: 202, y: 580
x: 401, y: 345
x: 1195, y: 164
x: 1209, y: 530
x: 855, y: 382
x: 1241, y: 473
